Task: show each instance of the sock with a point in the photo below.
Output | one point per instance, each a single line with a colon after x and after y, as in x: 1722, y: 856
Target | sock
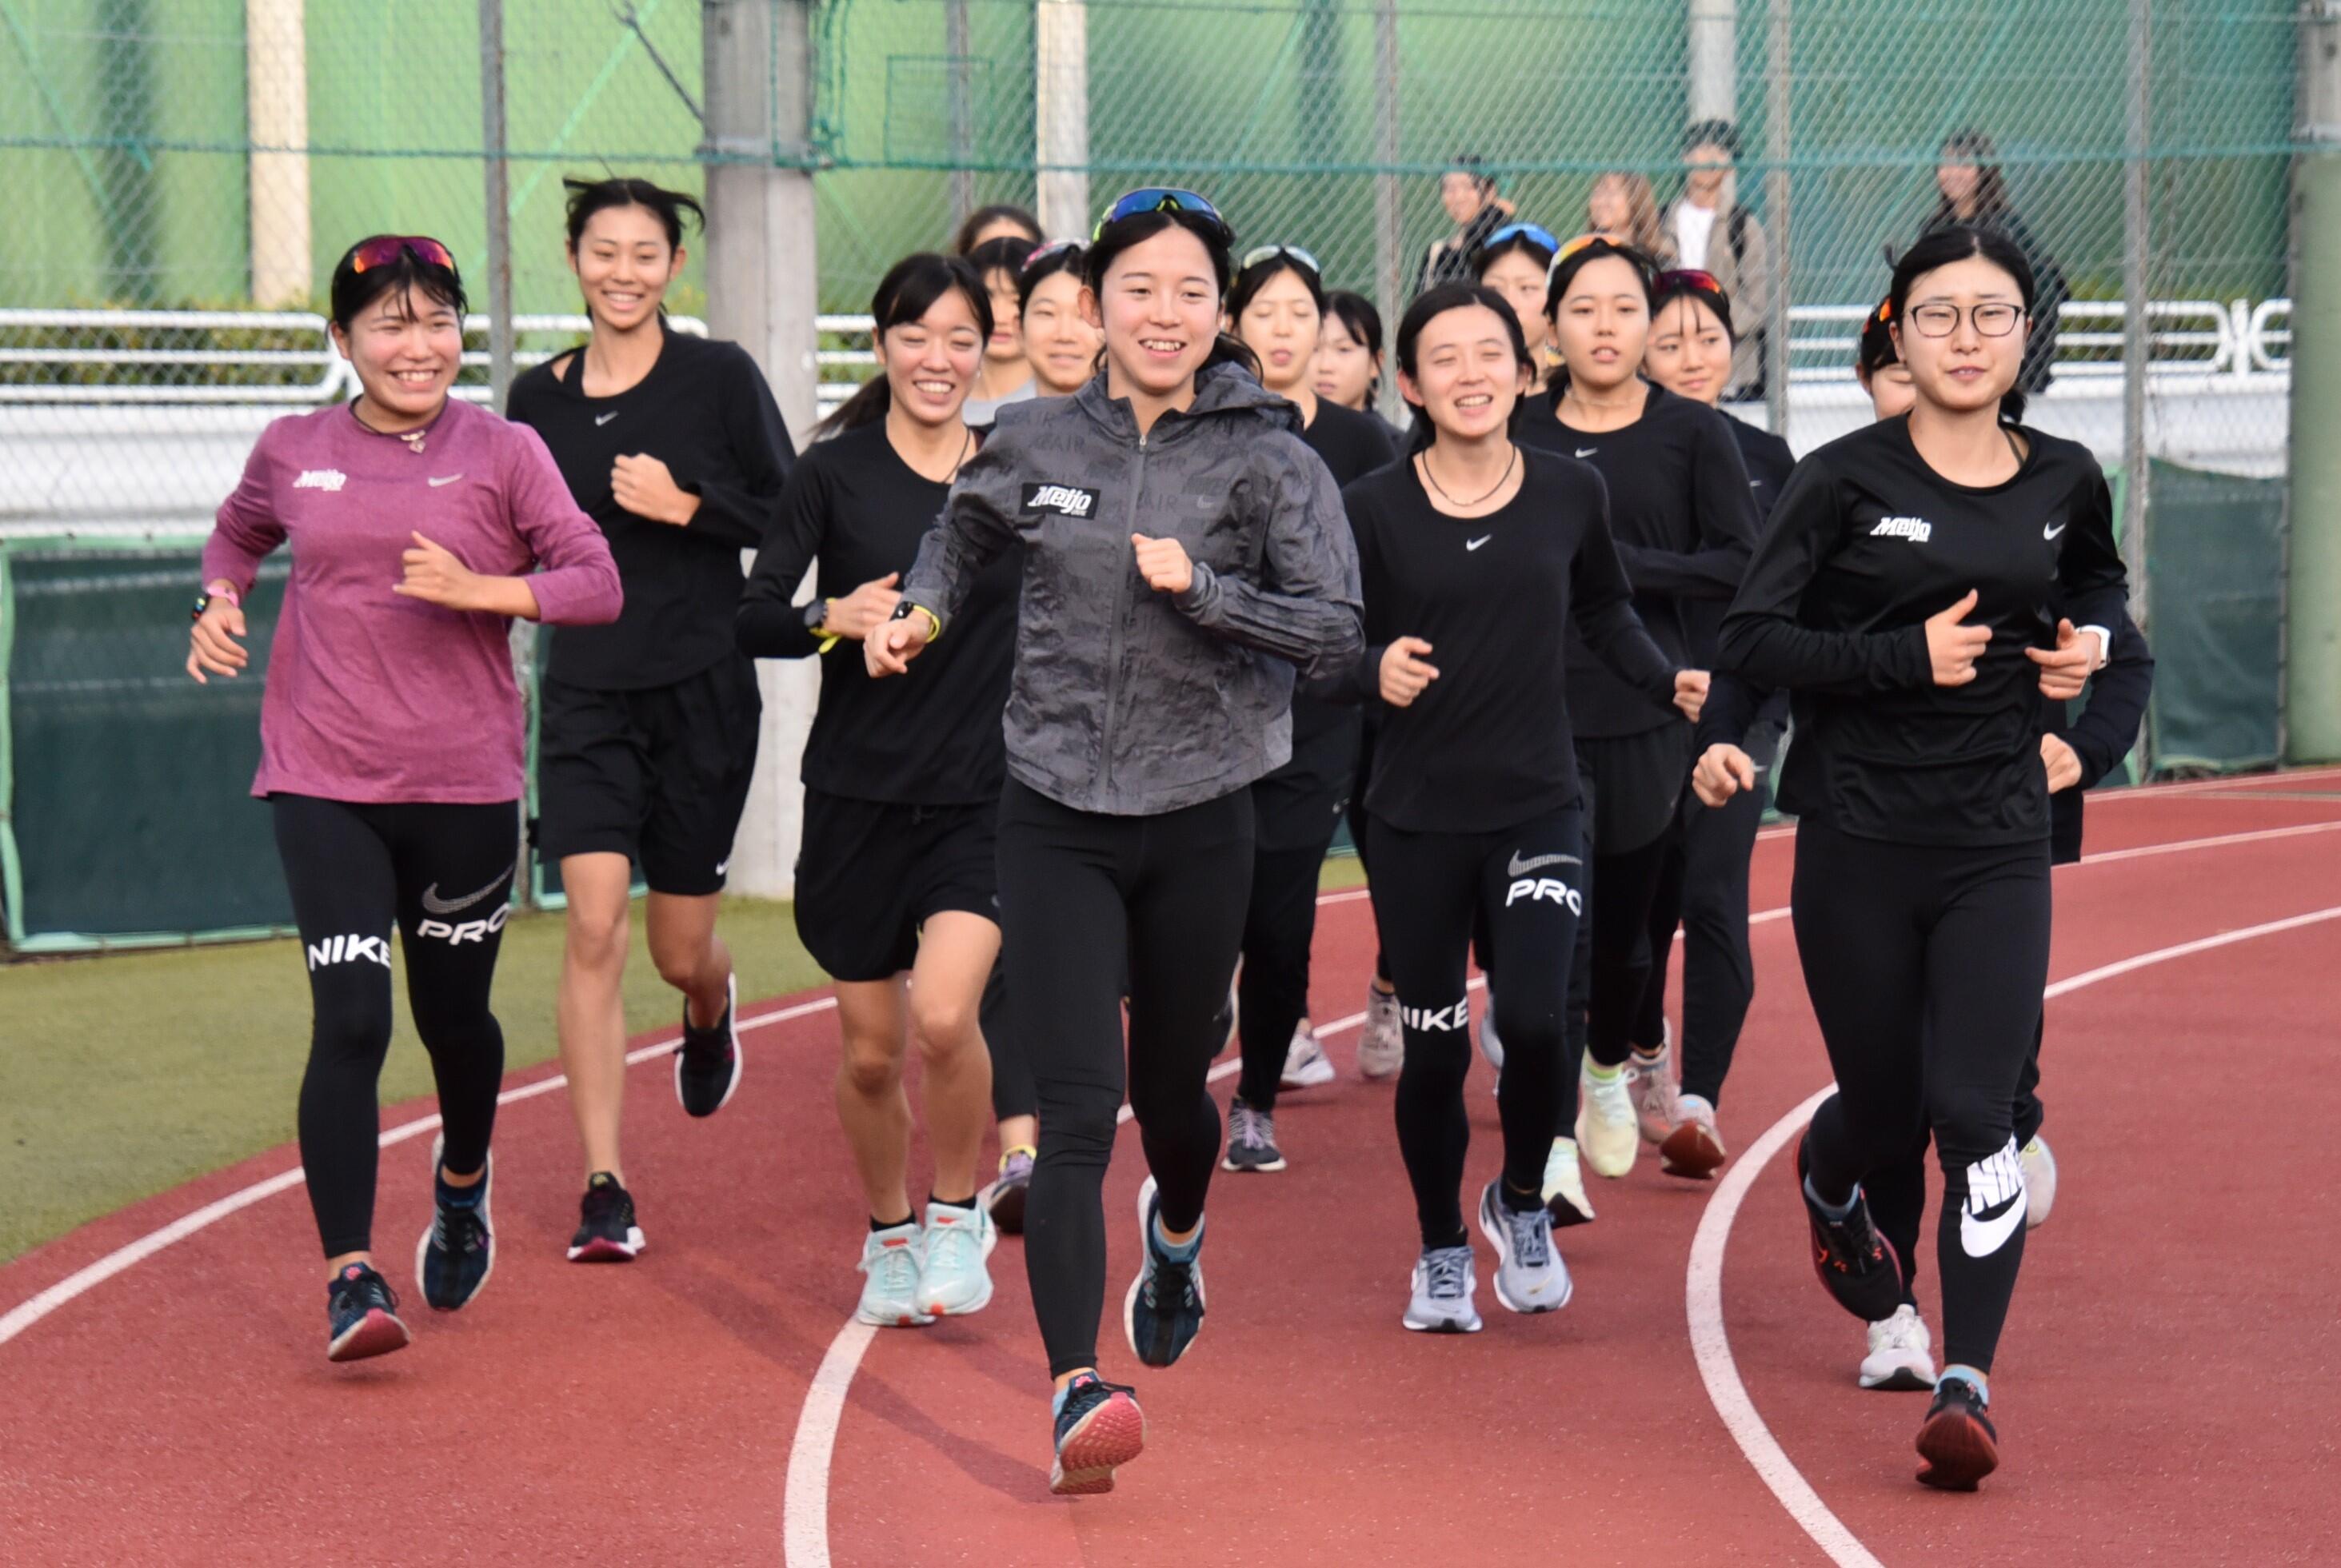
x: 1650, y: 1058
x: 877, y: 1225
x: 967, y: 1203
x: 1520, y: 1202
x: 1602, y: 1075
x: 1833, y: 1210
x: 1027, y: 1150
x: 456, y: 1197
x: 1982, y: 1387
x: 1177, y: 1252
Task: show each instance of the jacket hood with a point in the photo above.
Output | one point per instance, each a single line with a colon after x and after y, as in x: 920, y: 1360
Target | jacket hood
x: 1219, y: 389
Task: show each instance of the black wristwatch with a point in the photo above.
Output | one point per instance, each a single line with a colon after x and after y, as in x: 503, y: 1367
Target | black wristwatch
x: 816, y: 616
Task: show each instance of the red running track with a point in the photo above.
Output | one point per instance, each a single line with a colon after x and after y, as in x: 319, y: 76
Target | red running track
x: 2163, y: 1389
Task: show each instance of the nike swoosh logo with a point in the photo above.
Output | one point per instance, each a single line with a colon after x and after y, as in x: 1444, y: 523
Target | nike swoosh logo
x: 1520, y: 868
x: 436, y: 905
x: 1476, y: 543
x: 1586, y: 450
x: 605, y: 418
x: 1980, y: 1237
x: 2047, y: 532
x: 721, y: 867
x: 449, y: 480
x: 1754, y: 484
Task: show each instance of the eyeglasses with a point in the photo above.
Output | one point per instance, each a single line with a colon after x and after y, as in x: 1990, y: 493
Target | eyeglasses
x: 1259, y: 254
x: 1691, y: 278
x: 1992, y: 319
x: 1536, y: 234
x: 1163, y: 199
x: 385, y: 250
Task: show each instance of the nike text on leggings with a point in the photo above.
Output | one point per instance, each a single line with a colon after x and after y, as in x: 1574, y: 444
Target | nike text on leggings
x: 1925, y: 965
x: 1525, y: 885
x: 1086, y: 899
x: 442, y: 874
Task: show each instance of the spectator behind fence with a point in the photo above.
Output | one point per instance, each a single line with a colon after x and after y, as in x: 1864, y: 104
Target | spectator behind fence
x: 1973, y: 191
x: 1739, y: 257
x: 1471, y: 199
x: 1623, y: 208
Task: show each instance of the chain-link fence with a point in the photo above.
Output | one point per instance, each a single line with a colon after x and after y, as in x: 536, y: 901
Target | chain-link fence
x: 186, y: 172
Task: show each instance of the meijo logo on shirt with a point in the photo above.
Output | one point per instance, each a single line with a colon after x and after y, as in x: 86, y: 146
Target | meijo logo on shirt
x: 1064, y: 499
x: 1916, y: 530
x: 321, y: 479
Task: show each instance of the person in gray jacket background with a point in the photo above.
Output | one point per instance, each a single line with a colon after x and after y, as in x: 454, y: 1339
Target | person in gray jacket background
x: 1185, y: 556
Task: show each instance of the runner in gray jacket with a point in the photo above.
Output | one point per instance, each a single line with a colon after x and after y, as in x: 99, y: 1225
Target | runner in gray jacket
x: 1184, y: 555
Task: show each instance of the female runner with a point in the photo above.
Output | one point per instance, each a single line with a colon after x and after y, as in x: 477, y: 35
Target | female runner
x: 1006, y: 375
x: 391, y: 740
x: 1185, y: 555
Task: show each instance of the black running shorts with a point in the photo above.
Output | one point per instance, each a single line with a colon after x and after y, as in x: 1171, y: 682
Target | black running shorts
x: 871, y: 873
x: 660, y: 774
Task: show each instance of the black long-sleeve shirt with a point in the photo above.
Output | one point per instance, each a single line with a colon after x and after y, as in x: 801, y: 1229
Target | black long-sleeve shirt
x: 1684, y: 519
x: 858, y: 509
x: 704, y: 412
x: 1865, y: 543
x: 1487, y: 743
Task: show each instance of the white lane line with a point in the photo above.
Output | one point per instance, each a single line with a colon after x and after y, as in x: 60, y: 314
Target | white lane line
x: 1703, y: 1285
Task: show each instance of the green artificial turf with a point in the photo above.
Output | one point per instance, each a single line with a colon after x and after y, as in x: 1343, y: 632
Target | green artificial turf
x: 124, y: 1076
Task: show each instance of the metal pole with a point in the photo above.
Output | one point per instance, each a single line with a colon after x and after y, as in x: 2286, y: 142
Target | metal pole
x: 1061, y: 117
x: 1777, y: 87
x: 2312, y: 693
x: 2138, y: 325
x: 498, y: 199
x: 1390, y: 225
x: 960, y: 51
x: 1714, y: 60
x: 276, y: 99
x: 764, y: 288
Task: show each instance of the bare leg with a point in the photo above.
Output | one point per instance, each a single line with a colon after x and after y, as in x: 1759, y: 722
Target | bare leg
x: 591, y: 1013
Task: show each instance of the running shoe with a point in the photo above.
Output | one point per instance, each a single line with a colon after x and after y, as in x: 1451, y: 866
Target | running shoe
x: 1654, y: 1092
x: 1163, y: 1312
x: 1306, y: 1065
x: 455, y: 1258
x: 953, y: 1279
x: 1901, y: 1352
x: 889, y: 1295
x: 1491, y: 1044
x: 1382, y: 1047
x: 362, y: 1316
x: 1606, y: 1128
x: 1444, y: 1283
x: 1005, y: 1198
x: 1957, y: 1440
x: 707, y: 1063
x: 1856, y: 1265
x: 1529, y: 1274
x: 2040, y: 1181
x: 1251, y: 1140
x: 1099, y: 1428
x: 606, y: 1229
x: 1692, y: 1148
x: 1564, y: 1185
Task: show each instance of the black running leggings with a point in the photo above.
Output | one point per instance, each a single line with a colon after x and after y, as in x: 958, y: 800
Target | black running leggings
x: 1703, y: 887
x: 1525, y: 885
x: 1011, y: 1075
x: 1082, y: 896
x: 1612, y: 960
x: 1926, y: 967
x: 1273, y: 992
x: 443, y: 875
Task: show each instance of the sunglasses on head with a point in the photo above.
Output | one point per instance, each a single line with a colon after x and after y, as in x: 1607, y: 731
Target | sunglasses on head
x: 1584, y: 243
x: 385, y: 250
x: 1536, y: 234
x: 1697, y: 278
x: 1259, y: 254
x: 1163, y: 199
x: 1043, y: 253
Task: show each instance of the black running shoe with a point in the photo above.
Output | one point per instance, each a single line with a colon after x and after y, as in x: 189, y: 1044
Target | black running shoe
x: 458, y: 1253
x: 1099, y: 1428
x: 1251, y: 1140
x: 1957, y: 1441
x: 1856, y: 1265
x: 362, y: 1316
x: 1163, y: 1312
x: 1006, y: 1198
x: 707, y: 1063
x: 606, y: 1231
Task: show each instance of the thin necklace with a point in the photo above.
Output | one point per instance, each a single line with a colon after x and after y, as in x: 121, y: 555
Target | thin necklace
x: 1467, y: 505
x: 413, y: 438
x: 967, y: 438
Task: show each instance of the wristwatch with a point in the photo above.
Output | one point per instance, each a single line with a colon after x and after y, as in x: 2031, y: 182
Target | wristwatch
x: 204, y: 602
x: 816, y: 616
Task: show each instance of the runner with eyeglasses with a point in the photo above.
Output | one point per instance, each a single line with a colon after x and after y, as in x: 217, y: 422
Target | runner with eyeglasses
x: 1276, y: 309
x: 393, y: 739
x: 1516, y: 262
x: 1684, y: 519
x: 1916, y: 590
x: 1185, y: 558
x: 1484, y: 563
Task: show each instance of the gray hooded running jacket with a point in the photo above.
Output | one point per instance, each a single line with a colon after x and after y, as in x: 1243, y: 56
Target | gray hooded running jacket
x: 1128, y: 701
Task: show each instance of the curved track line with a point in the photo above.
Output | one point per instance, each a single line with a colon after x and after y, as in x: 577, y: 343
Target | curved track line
x: 1703, y: 1284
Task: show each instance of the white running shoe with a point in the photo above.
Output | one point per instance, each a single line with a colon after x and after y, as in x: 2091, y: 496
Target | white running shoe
x: 1382, y: 1047
x: 893, y: 1258
x: 1901, y: 1352
x: 954, y: 1280
x: 1655, y: 1094
x: 1529, y: 1274
x: 1491, y: 1045
x: 1306, y: 1065
x: 2040, y: 1181
x: 1564, y: 1185
x: 1441, y: 1300
x: 1606, y: 1128
x: 1693, y: 1149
